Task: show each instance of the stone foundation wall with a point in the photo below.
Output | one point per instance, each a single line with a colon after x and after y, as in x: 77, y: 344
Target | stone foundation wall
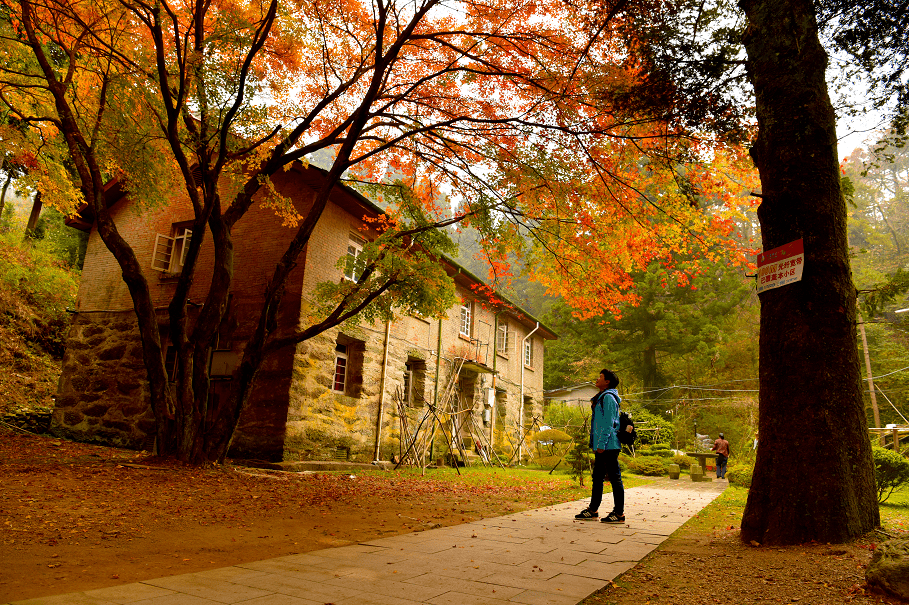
x: 103, y: 395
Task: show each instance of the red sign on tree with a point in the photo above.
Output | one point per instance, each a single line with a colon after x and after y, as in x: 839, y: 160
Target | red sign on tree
x: 780, y: 266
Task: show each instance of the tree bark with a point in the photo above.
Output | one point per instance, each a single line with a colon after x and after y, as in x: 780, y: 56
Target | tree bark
x: 33, y: 216
x: 6, y: 183
x: 814, y: 475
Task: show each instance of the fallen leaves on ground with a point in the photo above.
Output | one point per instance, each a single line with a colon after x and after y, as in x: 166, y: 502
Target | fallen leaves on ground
x: 78, y: 516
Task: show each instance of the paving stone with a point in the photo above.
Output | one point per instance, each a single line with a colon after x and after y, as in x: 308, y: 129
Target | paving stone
x: 461, y: 598
x: 375, y: 599
x: 289, y: 584
x: 533, y: 597
x: 66, y: 599
x: 460, y: 585
x: 128, y: 593
x: 283, y: 599
x: 391, y: 588
x: 203, y: 587
x: 176, y: 599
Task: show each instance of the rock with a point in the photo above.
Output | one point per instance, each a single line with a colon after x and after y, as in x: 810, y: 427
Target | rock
x: 889, y: 568
x: 674, y: 471
x: 697, y: 473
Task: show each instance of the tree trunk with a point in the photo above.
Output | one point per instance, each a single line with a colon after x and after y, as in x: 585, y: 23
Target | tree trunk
x: 814, y: 476
x: 33, y: 216
x: 6, y: 183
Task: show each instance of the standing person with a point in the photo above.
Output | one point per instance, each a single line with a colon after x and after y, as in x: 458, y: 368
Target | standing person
x: 721, y: 447
x: 604, y: 441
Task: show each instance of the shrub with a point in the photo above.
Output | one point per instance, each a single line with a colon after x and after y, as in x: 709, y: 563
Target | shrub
x: 552, y: 435
x: 548, y: 462
x: 563, y: 415
x: 891, y: 471
x: 552, y: 442
x: 647, y: 465
x: 682, y: 460
x: 579, y: 462
x: 740, y: 475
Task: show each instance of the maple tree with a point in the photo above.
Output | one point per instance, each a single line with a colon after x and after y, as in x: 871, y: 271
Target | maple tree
x: 215, y: 98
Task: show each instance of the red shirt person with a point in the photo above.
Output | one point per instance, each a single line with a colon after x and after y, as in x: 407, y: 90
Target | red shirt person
x: 721, y: 447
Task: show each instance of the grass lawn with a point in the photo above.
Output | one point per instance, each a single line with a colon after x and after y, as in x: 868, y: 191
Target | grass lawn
x: 895, y: 511
x: 728, y: 508
x: 559, y: 486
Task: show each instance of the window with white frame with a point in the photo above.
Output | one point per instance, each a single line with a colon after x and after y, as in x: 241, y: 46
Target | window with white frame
x: 528, y: 352
x: 355, y: 263
x: 502, y: 339
x: 170, y: 251
x: 347, y: 371
x: 466, y: 313
x: 339, y: 383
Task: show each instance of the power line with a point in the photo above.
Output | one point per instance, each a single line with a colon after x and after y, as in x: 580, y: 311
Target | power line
x: 708, y: 387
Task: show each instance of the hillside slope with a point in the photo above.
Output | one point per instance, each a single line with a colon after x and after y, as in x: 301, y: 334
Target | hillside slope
x: 35, y: 290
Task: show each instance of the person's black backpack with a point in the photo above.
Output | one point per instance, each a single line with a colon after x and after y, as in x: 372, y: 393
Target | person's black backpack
x: 627, y: 433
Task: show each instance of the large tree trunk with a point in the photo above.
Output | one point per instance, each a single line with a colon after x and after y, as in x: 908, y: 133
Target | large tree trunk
x: 814, y: 476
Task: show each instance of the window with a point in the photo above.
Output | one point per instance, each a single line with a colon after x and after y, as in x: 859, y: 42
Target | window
x: 502, y: 339
x: 346, y: 375
x: 355, y: 262
x: 170, y: 252
x: 224, y: 363
x: 414, y: 383
x: 408, y: 383
x: 465, y: 318
x: 340, y: 379
x: 528, y: 352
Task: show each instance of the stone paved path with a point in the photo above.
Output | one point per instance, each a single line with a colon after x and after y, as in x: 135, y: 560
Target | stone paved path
x: 538, y: 557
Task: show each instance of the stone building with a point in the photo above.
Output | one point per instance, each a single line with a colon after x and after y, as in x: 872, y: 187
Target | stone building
x: 341, y: 393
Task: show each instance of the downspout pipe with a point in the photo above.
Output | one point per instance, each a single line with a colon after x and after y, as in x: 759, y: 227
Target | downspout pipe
x: 495, y: 358
x: 521, y: 400
x: 435, y: 391
x: 375, y: 455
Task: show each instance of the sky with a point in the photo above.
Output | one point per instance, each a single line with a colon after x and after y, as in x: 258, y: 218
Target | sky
x: 857, y: 132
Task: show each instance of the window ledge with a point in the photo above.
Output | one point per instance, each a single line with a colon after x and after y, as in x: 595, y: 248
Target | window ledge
x: 463, y: 336
x: 502, y: 355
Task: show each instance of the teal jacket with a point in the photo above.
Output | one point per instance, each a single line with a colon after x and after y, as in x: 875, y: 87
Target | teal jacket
x: 604, y: 421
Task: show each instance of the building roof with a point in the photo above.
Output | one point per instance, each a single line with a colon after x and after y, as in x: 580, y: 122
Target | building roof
x: 568, y: 390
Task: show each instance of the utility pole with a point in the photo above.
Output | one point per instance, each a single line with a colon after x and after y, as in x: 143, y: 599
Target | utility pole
x: 877, y: 414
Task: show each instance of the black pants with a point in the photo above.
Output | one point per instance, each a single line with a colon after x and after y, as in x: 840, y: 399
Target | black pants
x: 607, y: 464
